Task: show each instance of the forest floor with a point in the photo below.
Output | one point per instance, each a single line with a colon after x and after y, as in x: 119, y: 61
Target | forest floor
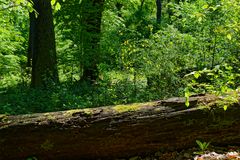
x: 212, y: 153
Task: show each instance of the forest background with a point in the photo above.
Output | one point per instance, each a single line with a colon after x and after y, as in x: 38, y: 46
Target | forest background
x: 58, y: 55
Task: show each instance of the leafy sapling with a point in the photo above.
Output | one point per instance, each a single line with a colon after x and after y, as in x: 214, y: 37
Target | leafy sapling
x: 203, y: 146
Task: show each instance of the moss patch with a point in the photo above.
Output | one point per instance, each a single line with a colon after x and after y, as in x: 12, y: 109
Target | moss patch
x: 131, y: 107
x: 88, y: 111
x: 71, y: 112
x: 49, y: 116
x: 3, y: 117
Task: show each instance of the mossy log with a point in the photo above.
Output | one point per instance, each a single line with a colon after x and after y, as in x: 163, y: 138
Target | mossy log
x: 119, y: 131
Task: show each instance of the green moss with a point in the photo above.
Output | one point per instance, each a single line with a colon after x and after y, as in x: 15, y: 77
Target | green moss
x: 131, y: 107
x: 71, y: 112
x: 49, y: 116
x: 224, y: 103
x: 81, y: 112
x: 125, y: 108
x: 88, y: 111
x: 3, y: 117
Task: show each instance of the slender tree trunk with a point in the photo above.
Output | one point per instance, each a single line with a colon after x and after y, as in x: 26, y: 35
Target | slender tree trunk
x: 159, y: 10
x: 91, y: 19
x: 42, y: 49
x: 31, y: 39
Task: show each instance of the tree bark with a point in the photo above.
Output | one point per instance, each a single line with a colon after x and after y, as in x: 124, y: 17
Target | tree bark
x: 91, y: 21
x: 119, y: 131
x: 159, y: 11
x: 42, y: 49
x: 31, y: 39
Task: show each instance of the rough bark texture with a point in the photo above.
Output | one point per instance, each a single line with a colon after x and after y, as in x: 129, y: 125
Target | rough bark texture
x: 119, y: 131
x: 42, y: 49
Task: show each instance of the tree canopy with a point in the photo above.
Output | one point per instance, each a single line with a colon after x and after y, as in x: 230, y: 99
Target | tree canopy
x: 58, y: 54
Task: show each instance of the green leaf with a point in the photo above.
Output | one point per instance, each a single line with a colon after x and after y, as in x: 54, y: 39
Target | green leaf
x: 196, y: 75
x: 200, y: 19
x: 187, y: 102
x: 53, y: 2
x: 205, y: 6
x: 229, y: 36
x: 200, y: 144
x: 57, y: 7
x: 187, y: 94
x: 19, y: 2
x: 225, y: 107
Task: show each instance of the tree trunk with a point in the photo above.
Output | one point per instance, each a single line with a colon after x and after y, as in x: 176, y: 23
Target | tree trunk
x: 91, y: 21
x: 159, y: 11
x: 42, y: 47
x: 31, y: 39
x: 119, y: 131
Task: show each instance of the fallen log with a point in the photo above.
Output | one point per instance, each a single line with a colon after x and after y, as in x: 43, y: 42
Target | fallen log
x: 119, y: 131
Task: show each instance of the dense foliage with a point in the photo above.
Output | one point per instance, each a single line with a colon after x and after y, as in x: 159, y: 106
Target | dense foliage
x: 195, y: 48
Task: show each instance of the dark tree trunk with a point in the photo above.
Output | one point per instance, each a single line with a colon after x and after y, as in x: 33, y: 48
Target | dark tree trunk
x: 42, y: 49
x: 119, y: 7
x: 91, y: 20
x: 159, y: 11
x: 31, y: 39
x: 119, y: 131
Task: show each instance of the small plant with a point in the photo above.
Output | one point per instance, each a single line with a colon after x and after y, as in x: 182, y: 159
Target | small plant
x: 202, y: 145
x: 220, y: 81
